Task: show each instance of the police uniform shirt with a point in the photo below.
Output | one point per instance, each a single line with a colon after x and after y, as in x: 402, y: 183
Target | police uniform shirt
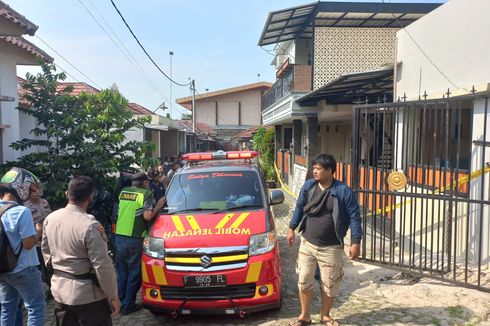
x: 74, y: 242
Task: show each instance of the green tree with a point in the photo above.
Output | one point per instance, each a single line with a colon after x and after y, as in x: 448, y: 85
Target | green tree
x: 186, y: 116
x: 78, y: 135
x: 263, y: 142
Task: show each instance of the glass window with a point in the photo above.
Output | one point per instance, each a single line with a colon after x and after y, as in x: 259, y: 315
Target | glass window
x: 214, y: 190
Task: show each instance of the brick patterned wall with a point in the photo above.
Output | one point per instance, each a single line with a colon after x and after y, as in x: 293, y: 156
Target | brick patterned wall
x: 340, y: 51
x: 302, y: 78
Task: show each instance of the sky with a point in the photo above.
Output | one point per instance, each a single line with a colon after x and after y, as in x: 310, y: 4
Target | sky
x: 213, y: 42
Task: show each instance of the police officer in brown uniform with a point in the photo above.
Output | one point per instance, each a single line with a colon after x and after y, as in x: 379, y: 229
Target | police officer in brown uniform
x: 75, y: 245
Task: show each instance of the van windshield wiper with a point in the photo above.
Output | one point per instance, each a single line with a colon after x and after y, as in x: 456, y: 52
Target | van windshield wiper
x: 238, y: 207
x: 195, y: 209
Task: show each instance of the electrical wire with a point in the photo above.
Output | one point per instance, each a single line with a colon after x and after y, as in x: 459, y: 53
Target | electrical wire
x: 143, y: 48
x: 49, y: 46
x: 126, y: 53
x: 423, y: 52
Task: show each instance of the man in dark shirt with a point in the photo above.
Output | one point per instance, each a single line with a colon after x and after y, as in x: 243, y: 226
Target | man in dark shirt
x: 157, y: 187
x: 325, y: 209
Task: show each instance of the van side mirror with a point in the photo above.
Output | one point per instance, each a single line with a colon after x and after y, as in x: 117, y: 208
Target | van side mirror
x: 276, y: 197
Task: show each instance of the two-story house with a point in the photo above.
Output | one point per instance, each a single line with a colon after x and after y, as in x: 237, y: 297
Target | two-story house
x: 329, y: 56
x: 14, y: 50
x: 228, y: 111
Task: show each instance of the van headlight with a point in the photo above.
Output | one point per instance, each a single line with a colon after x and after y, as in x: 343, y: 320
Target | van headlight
x: 153, y: 247
x: 262, y: 243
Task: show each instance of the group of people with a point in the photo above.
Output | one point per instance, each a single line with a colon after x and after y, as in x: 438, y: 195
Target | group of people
x: 88, y: 289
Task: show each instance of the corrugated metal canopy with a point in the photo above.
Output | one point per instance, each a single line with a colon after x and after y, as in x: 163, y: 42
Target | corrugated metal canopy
x: 347, y: 89
x: 297, y: 22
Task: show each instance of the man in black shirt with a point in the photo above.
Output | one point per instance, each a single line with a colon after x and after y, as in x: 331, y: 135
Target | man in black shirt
x: 325, y: 209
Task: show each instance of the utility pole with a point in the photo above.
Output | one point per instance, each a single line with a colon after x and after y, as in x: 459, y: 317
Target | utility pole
x: 193, y: 86
x: 171, y: 54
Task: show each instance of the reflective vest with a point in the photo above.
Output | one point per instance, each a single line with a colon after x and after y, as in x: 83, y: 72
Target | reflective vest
x: 130, y: 221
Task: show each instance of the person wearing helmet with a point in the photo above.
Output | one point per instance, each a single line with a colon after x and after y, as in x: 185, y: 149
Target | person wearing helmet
x: 24, y: 280
x: 39, y: 209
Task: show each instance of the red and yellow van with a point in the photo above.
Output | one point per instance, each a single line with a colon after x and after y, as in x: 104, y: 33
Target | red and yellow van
x: 213, y: 250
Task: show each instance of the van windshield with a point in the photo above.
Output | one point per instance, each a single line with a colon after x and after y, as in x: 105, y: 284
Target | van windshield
x: 214, y: 191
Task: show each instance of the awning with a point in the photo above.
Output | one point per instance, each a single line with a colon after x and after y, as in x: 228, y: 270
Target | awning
x: 347, y: 89
x: 297, y: 22
x: 156, y: 127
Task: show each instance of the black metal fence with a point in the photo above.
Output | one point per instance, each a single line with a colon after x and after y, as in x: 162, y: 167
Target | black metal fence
x: 438, y: 223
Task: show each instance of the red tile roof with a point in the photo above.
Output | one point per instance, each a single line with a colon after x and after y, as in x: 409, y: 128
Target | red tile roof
x: 247, y: 134
x: 78, y: 87
x: 17, y: 19
x: 138, y: 109
x: 27, y: 46
x: 200, y: 127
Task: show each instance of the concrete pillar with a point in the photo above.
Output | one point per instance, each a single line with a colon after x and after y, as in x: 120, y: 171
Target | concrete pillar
x: 313, y: 148
x: 277, y: 140
x: 297, y: 130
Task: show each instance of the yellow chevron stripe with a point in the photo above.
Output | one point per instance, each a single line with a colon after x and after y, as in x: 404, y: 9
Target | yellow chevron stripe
x: 197, y: 260
x: 253, y: 272
x: 159, y: 275
x: 192, y: 222
x: 144, y: 273
x: 178, y: 223
x: 223, y: 221
x: 239, y: 220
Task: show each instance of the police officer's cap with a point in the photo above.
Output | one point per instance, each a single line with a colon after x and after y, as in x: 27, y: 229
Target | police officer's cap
x: 140, y: 177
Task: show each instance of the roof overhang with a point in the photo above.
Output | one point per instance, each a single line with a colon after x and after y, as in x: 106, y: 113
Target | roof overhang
x: 25, y: 52
x: 298, y: 22
x: 347, y: 89
x: 14, y: 24
x: 156, y: 127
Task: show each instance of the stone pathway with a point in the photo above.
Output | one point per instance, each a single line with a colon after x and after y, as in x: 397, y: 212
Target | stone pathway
x: 369, y: 295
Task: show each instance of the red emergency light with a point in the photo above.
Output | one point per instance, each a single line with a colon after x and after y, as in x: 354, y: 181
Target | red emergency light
x: 219, y: 155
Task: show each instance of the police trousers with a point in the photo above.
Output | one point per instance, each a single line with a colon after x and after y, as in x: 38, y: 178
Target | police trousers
x: 96, y: 313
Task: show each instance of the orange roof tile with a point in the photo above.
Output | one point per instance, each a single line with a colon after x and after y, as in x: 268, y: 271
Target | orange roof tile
x: 27, y: 46
x: 138, y: 109
x: 17, y: 19
x: 200, y: 127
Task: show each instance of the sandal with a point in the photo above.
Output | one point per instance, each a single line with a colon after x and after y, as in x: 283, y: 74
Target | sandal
x: 300, y: 322
x: 330, y: 322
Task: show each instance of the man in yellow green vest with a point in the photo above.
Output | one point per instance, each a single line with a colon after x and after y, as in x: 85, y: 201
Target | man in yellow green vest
x: 134, y: 215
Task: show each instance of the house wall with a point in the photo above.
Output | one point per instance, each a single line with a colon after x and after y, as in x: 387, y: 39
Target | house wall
x: 228, y: 106
x: 9, y: 115
x: 339, y: 51
x: 455, y: 37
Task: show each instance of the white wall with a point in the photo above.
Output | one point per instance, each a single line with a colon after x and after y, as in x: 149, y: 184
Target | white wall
x: 10, y: 116
x: 455, y: 37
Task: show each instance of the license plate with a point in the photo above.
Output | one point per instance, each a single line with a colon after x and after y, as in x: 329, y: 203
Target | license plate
x: 205, y: 281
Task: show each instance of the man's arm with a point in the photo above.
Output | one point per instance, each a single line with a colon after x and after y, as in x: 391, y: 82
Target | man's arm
x: 355, y: 223
x: 27, y: 231
x: 101, y: 263
x: 45, y: 245
x: 149, y: 213
x: 298, y: 214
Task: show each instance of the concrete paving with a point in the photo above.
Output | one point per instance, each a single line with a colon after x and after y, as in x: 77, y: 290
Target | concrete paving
x: 369, y: 295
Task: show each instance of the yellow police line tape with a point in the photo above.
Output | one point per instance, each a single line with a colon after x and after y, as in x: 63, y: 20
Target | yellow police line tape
x: 390, y: 208
x: 461, y: 181
x: 283, y: 186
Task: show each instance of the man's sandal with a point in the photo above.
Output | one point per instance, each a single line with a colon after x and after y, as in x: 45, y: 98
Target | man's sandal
x: 300, y: 322
x: 330, y: 322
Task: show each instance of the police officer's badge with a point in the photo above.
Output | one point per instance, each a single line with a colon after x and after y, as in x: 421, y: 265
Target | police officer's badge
x: 101, y: 230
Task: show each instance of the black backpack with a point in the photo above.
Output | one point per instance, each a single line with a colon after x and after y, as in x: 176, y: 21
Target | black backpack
x: 8, y: 258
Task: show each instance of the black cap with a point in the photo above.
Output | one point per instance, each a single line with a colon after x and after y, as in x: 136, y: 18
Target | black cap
x: 140, y: 176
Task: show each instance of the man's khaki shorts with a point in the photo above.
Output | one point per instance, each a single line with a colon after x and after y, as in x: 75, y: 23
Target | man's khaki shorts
x: 330, y: 261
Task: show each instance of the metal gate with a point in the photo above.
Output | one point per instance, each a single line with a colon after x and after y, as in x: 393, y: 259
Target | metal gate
x: 421, y: 174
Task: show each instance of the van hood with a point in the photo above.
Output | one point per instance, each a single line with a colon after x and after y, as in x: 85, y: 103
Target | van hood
x: 209, y: 230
